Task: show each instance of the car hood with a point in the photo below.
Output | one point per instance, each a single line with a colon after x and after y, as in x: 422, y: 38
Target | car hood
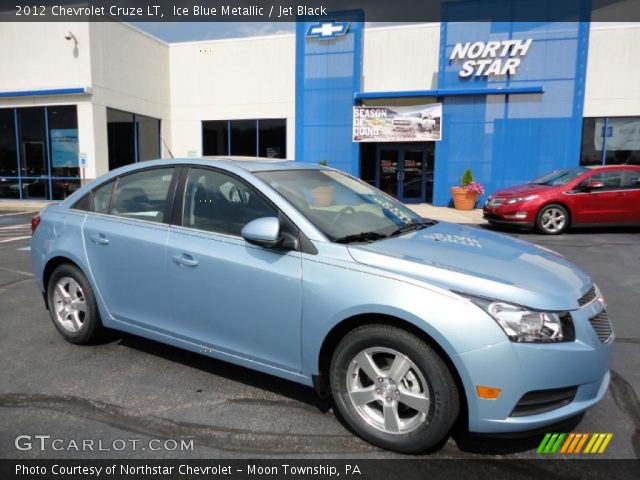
x: 478, y: 262
x: 522, y: 190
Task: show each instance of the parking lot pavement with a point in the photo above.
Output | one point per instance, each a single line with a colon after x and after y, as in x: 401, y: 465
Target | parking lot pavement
x: 129, y: 388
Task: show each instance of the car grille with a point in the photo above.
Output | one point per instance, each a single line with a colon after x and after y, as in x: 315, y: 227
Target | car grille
x: 495, y: 202
x: 602, y: 326
x: 588, y: 297
x: 541, y: 401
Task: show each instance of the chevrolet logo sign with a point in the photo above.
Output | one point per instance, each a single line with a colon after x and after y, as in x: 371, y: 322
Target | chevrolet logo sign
x: 328, y: 30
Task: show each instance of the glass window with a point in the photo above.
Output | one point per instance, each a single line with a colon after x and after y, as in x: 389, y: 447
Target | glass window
x: 148, y: 130
x: 339, y: 205
x: 63, y: 187
x: 8, y: 151
x: 63, y: 139
x: 243, y: 138
x: 591, y: 151
x: 33, y: 148
x: 623, y: 141
x: 612, y: 180
x: 120, y: 138
x: 142, y: 195
x: 273, y: 138
x: 215, y: 137
x: 101, y: 198
x: 632, y: 179
x: 35, y: 188
x: 9, y: 187
x: 619, y: 137
x: 220, y: 203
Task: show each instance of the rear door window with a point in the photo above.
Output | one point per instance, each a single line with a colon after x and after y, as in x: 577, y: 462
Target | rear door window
x: 142, y: 195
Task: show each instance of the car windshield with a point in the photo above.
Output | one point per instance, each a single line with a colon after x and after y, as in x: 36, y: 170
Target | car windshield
x: 559, y: 177
x: 343, y: 208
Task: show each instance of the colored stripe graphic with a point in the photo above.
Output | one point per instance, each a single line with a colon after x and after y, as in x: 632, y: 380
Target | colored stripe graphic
x: 551, y: 442
x: 573, y: 443
x: 598, y: 443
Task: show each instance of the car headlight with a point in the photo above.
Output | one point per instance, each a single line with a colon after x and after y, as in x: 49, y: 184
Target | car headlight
x: 521, y: 324
x: 511, y: 201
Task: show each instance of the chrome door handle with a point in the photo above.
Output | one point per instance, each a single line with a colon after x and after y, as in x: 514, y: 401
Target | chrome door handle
x: 185, y: 260
x: 99, y: 239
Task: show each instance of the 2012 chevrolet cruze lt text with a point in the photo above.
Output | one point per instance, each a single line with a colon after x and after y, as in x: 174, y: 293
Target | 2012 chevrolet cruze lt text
x: 309, y: 274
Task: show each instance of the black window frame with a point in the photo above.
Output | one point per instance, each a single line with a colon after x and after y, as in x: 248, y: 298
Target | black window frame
x: 287, y: 226
x: 167, y: 214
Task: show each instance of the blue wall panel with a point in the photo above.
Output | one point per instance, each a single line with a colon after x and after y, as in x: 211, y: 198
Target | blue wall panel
x: 328, y: 74
x: 509, y: 139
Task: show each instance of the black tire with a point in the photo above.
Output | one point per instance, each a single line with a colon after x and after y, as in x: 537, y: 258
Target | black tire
x: 552, y: 219
x: 88, y: 323
x: 429, y: 428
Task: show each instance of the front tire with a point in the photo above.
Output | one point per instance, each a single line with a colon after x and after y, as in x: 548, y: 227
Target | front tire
x: 393, y: 389
x: 72, y: 305
x: 552, y: 219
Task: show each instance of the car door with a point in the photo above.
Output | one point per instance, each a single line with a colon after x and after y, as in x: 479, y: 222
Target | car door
x: 601, y: 205
x: 125, y: 238
x: 227, y: 294
x: 632, y: 189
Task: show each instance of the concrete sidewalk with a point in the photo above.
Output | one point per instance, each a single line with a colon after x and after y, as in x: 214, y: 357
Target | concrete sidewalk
x: 423, y: 209
x: 447, y: 214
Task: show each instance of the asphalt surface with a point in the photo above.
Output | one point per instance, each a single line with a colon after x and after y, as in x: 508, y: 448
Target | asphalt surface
x: 128, y: 389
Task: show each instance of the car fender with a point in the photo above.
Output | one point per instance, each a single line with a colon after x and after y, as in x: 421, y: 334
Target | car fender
x: 330, y: 290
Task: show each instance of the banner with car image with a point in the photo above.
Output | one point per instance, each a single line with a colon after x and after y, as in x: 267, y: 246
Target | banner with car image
x: 417, y: 123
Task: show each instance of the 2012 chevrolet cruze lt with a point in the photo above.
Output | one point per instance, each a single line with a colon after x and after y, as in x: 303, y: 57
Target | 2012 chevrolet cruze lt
x: 309, y: 274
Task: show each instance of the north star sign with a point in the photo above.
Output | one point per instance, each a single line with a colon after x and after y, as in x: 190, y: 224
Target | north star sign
x: 327, y: 30
x: 490, y: 58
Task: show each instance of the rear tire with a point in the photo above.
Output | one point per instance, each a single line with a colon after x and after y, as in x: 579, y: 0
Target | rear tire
x: 552, y: 219
x: 393, y: 389
x: 72, y: 305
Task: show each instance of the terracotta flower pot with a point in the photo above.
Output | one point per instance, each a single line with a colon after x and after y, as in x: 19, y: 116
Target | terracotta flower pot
x: 462, y: 199
x: 322, y: 196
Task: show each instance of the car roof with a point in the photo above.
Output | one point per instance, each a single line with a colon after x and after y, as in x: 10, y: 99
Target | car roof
x: 249, y: 164
x: 257, y: 164
x: 613, y: 167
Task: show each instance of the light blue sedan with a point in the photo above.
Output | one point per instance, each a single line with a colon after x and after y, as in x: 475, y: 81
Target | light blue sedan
x: 309, y: 274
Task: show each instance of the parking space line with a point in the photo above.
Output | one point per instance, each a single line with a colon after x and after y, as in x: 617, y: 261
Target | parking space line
x: 16, y: 213
x: 13, y: 227
x: 16, y: 271
x: 13, y: 239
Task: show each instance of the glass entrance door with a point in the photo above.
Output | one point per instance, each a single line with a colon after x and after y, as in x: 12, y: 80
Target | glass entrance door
x: 406, y: 171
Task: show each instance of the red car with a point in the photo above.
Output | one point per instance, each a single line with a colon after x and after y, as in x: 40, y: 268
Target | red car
x: 608, y: 195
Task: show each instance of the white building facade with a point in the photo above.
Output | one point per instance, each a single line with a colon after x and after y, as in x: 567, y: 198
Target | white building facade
x: 80, y: 99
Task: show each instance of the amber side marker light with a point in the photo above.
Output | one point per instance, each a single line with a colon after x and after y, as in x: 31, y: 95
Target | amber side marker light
x: 488, y: 392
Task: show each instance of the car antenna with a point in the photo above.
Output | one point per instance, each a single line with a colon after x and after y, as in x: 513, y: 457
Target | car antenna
x: 167, y: 147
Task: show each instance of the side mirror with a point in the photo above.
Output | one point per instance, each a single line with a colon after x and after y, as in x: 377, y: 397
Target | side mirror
x: 264, y: 232
x: 594, y: 185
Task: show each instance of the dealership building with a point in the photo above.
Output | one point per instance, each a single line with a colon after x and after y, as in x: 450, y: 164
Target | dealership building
x: 407, y: 108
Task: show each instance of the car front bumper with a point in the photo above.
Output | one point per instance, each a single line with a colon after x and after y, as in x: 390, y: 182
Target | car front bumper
x: 521, y: 368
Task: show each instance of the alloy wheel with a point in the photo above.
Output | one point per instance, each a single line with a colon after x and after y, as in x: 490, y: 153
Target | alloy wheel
x: 70, y: 307
x: 388, y: 390
x: 553, y: 220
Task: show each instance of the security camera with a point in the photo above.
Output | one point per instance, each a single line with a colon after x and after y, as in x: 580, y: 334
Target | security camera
x: 69, y: 36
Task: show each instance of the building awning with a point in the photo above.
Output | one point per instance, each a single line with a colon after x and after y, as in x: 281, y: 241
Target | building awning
x: 51, y: 91
x: 449, y: 92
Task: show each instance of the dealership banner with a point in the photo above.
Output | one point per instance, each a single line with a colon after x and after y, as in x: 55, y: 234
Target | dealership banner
x: 621, y: 134
x: 418, y: 123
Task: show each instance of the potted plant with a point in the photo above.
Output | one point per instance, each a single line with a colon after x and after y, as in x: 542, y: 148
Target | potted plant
x: 466, y: 194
